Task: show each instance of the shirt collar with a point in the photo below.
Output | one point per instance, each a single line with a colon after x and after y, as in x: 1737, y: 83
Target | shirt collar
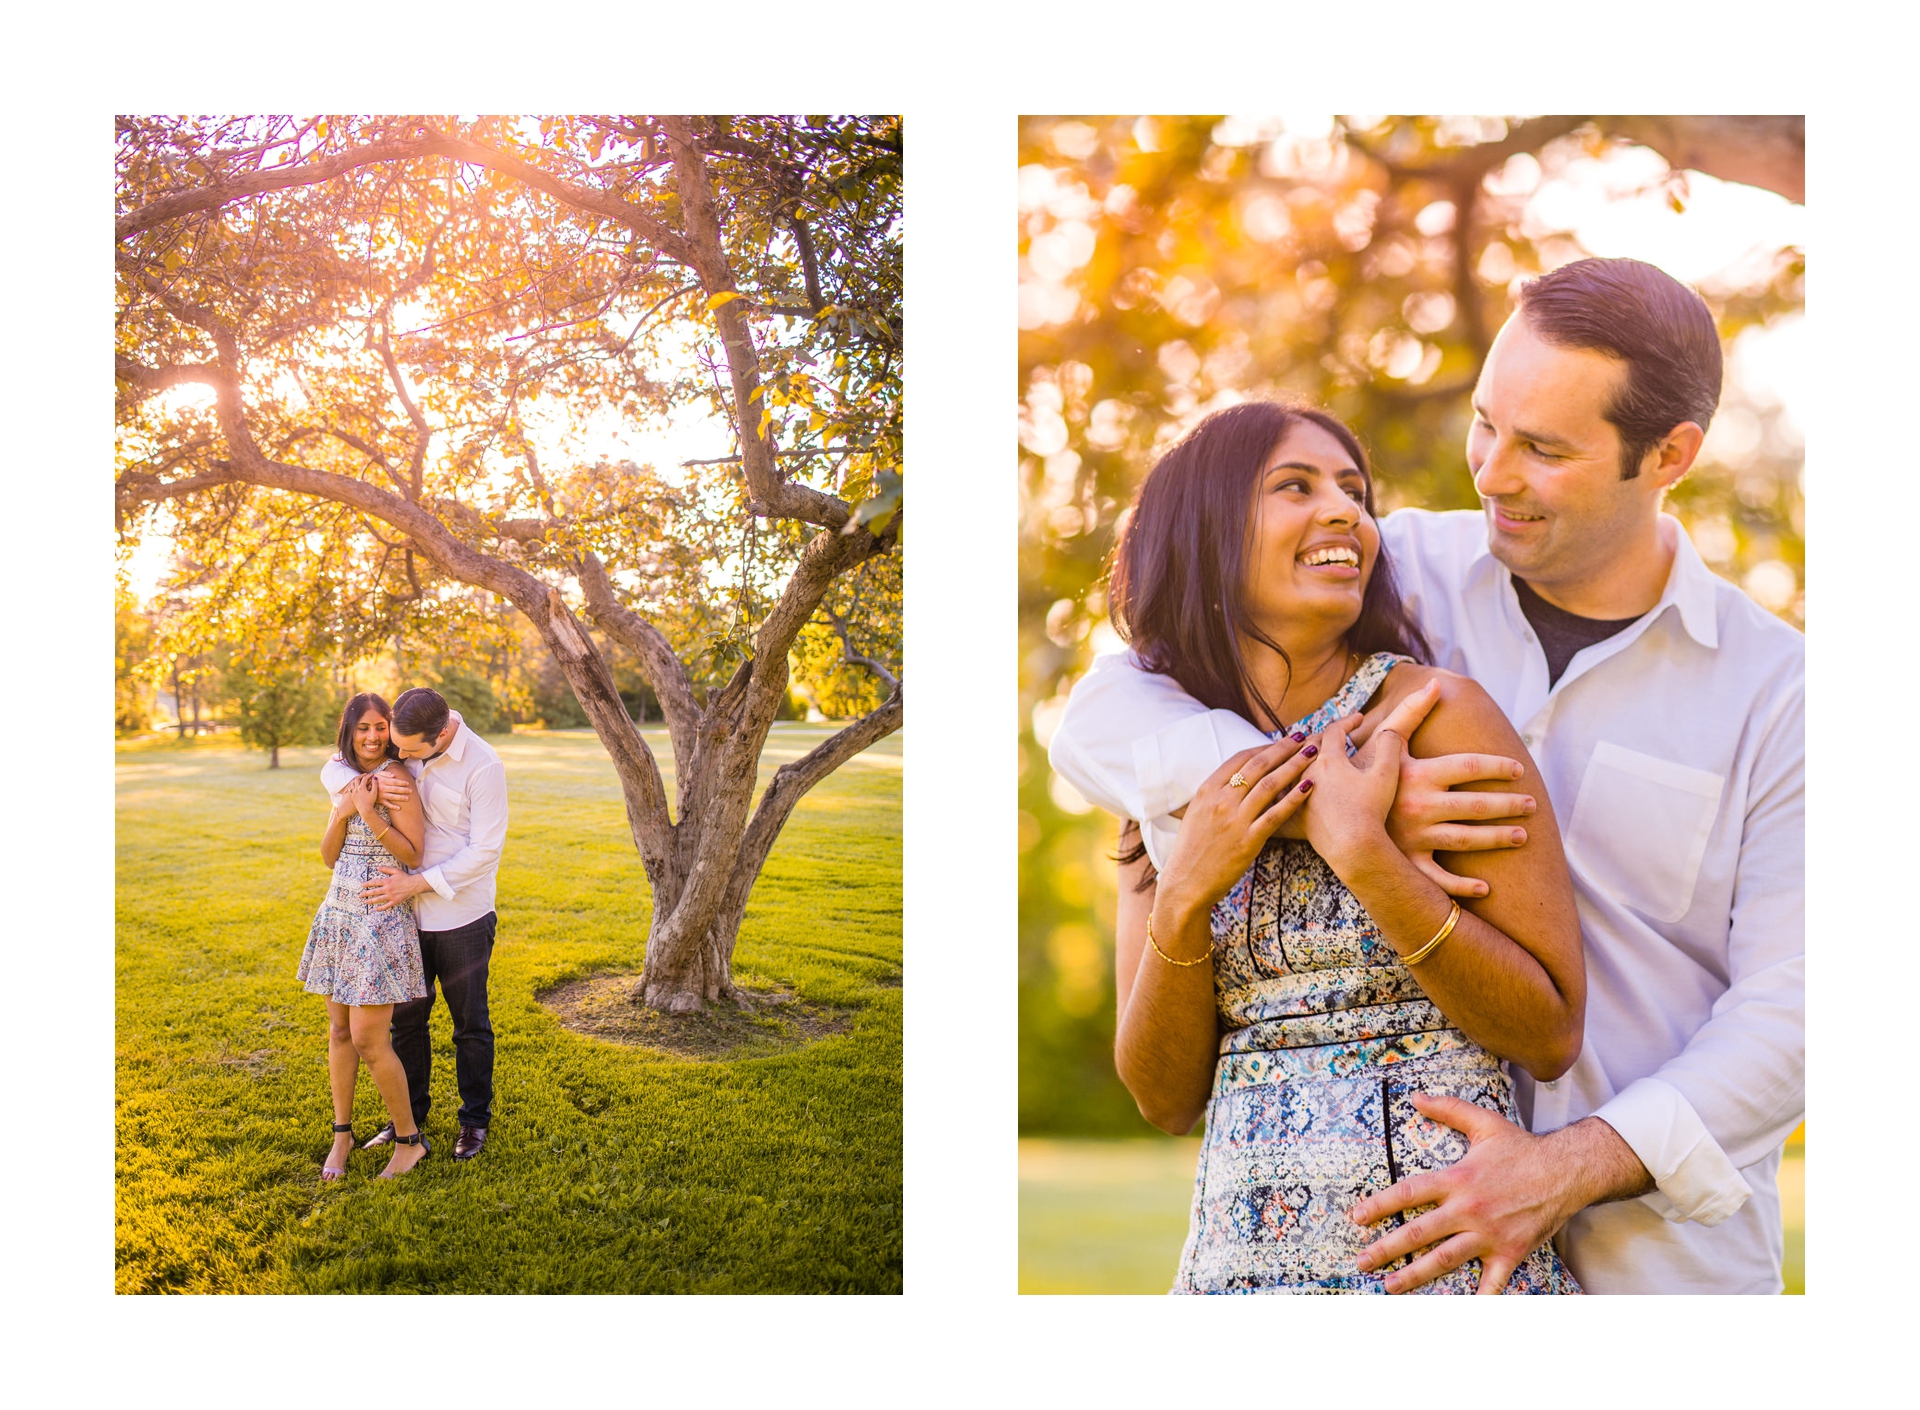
x: 457, y: 746
x: 1691, y: 586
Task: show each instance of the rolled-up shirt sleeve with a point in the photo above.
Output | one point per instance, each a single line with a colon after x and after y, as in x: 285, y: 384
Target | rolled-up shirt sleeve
x: 486, y: 833
x: 1738, y: 1088
x: 335, y: 775
x: 1134, y: 742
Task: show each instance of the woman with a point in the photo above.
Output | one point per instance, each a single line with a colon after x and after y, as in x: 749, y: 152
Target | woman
x: 1291, y: 973
x: 365, y: 960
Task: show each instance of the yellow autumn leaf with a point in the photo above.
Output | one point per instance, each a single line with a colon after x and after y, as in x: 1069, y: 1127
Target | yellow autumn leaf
x: 723, y: 298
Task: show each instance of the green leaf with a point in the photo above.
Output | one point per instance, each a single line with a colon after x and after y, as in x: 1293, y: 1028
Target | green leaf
x: 876, y: 513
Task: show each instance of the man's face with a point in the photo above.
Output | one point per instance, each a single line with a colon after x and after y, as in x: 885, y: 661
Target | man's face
x: 1546, y: 462
x: 419, y: 746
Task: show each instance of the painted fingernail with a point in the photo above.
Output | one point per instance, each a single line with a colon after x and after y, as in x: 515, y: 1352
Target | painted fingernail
x: 1309, y: 751
x: 1297, y: 736
x: 1306, y: 786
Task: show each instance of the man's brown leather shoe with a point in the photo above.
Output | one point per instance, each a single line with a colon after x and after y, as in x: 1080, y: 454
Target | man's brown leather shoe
x: 471, y: 1139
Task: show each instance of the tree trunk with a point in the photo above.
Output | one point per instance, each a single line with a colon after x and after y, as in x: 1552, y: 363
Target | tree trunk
x: 179, y: 704
x: 273, y: 758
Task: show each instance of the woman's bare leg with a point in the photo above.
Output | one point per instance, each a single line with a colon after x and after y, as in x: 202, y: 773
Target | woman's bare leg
x: 343, y: 1071
x: 372, y: 1040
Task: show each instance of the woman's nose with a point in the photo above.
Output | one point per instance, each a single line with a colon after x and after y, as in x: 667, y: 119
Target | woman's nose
x: 1339, y: 508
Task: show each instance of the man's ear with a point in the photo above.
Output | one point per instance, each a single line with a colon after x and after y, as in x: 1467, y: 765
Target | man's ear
x: 1668, y: 462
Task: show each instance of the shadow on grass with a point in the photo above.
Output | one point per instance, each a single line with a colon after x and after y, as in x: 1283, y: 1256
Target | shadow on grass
x: 764, y: 1021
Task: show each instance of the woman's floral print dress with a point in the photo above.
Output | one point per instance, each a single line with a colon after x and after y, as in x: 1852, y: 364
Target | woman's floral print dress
x: 356, y: 954
x: 1326, y: 1037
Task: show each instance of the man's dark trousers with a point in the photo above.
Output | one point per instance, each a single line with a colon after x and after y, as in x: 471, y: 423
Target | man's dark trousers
x: 458, y: 959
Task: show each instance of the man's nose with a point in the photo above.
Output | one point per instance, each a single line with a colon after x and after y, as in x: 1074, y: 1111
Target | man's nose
x: 1495, y: 475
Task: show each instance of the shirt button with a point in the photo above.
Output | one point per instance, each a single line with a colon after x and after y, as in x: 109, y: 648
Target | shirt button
x: 1527, y: 740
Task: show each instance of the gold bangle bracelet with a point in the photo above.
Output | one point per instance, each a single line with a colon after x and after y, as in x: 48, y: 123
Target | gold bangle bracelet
x: 383, y: 832
x: 1181, y: 964
x: 1453, y: 919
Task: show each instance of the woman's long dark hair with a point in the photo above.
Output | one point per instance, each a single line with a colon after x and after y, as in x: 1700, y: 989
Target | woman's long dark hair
x: 350, y: 717
x: 1178, y: 588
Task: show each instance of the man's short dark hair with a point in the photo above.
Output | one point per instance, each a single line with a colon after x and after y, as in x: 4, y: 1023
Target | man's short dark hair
x: 420, y: 711
x: 1655, y: 324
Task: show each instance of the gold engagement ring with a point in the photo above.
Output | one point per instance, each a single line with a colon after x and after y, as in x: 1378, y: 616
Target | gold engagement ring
x: 1239, y: 780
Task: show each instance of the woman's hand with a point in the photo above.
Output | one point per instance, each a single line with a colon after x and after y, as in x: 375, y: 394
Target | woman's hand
x: 1348, y: 819
x: 1237, y: 809
x: 365, y: 794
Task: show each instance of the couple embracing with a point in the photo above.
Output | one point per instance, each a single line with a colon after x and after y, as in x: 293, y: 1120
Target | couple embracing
x: 1464, y: 888
x: 419, y: 818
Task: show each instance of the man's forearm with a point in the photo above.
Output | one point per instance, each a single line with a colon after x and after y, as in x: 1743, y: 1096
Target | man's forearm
x: 1600, y: 1165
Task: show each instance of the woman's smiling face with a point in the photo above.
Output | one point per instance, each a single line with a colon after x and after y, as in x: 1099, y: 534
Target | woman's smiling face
x: 370, y: 737
x: 1314, y: 544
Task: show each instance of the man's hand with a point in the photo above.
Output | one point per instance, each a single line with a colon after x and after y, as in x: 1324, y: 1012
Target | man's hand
x: 1508, y: 1195
x: 393, y: 888
x: 394, y: 786
x: 1427, y: 815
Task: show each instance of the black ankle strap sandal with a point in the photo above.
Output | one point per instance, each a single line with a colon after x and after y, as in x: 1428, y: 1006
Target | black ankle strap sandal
x: 338, y: 1128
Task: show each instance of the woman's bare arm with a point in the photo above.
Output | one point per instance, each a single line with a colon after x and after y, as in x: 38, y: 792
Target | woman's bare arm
x: 335, y: 835
x: 407, y: 833
x: 1168, y: 1033
x: 1511, y: 975
x: 1167, y: 1038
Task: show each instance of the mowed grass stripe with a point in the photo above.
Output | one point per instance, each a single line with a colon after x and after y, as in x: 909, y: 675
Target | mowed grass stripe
x: 609, y: 1169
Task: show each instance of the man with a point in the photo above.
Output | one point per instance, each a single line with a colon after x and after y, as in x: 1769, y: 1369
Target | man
x: 1666, y: 713
x: 463, y: 791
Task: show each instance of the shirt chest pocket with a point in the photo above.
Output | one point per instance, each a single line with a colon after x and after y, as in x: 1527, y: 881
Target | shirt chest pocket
x: 1640, y: 829
x: 446, y: 809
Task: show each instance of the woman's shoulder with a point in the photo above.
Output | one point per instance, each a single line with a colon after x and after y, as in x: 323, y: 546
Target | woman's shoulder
x: 1465, y: 717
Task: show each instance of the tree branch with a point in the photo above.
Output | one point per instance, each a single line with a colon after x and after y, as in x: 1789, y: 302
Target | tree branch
x: 658, y: 661
x: 855, y: 658
x: 707, y: 258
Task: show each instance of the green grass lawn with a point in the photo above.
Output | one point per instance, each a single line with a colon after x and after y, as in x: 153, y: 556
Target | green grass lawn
x: 1110, y: 1216
x: 608, y: 1168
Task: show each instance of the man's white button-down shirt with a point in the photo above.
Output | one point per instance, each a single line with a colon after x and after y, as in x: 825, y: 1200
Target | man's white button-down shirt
x: 464, y: 795
x: 1674, y: 755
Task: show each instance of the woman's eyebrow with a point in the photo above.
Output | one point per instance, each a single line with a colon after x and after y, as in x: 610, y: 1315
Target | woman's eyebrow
x: 1312, y: 469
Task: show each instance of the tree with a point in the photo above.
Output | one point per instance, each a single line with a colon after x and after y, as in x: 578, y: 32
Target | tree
x: 132, y: 645
x: 277, y: 704
x: 393, y: 314
x: 1172, y: 265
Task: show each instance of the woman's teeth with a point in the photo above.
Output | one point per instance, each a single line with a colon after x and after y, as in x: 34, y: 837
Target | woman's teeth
x: 1331, y: 555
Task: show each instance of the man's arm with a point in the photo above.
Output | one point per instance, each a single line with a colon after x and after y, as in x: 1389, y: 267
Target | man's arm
x: 1678, y: 1137
x: 1738, y: 1088
x: 335, y: 775
x: 486, y: 833
x: 1135, y: 743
